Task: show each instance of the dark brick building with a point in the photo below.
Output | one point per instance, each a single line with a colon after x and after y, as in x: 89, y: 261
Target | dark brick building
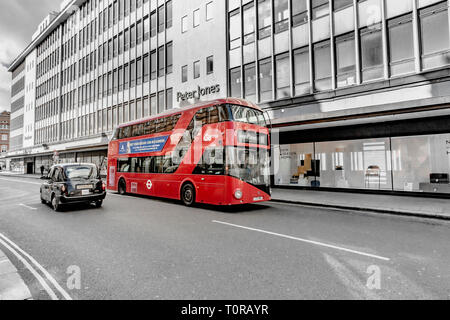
x: 4, y: 131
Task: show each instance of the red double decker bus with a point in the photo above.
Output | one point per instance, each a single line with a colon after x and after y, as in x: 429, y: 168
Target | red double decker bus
x: 214, y: 153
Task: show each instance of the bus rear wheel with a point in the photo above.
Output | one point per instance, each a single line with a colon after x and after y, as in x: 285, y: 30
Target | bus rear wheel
x: 122, y: 187
x: 188, y: 194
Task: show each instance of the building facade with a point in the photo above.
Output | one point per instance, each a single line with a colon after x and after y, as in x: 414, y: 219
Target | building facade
x: 5, y: 117
x: 4, y: 132
x: 357, y: 90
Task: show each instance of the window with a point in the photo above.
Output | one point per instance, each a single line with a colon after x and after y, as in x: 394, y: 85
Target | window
x: 169, y: 57
x: 169, y: 99
x: 126, y: 73
x: 184, y: 73
x: 209, y: 11
x: 139, y: 32
x: 345, y: 60
x: 110, y: 85
x: 339, y: 4
x: 116, y: 46
x: 153, y: 24
x: 146, y: 107
x: 115, y: 81
x: 249, y: 23
x: 371, y: 53
x: 132, y: 111
x: 120, y: 80
x: 184, y: 24
x: 196, y: 18
x: 265, y: 80
x: 301, y: 71
x: 138, y: 71
x: 153, y: 66
x: 110, y: 49
x: 401, y: 46
x: 283, y: 76
x: 132, y: 36
x: 161, y: 65
x: 434, y: 35
x: 126, y: 40
x: 281, y: 8
x: 169, y: 14
x: 146, y: 28
x: 264, y: 19
x: 160, y: 101
x: 120, y: 43
x: 153, y: 105
x: 196, y: 69
x: 250, y: 82
x: 209, y: 65
x: 132, y: 74
x: 235, y: 30
x: 4, y: 137
x: 235, y: 82
x: 322, y: 66
x: 320, y: 8
x: 146, y: 68
x: 161, y: 19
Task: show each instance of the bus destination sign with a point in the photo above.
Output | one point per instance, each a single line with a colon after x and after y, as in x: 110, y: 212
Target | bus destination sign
x: 143, y: 146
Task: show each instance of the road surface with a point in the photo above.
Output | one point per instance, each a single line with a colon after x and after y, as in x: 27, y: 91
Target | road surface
x: 146, y: 248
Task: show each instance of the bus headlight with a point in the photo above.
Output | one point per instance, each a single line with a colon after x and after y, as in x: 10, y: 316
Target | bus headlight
x: 238, y: 194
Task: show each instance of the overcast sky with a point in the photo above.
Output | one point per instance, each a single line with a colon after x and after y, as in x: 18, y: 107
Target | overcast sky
x: 18, y: 21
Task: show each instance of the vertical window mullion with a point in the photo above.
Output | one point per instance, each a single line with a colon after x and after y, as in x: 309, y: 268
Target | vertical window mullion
x: 384, y: 40
x: 416, y: 35
x: 357, y: 42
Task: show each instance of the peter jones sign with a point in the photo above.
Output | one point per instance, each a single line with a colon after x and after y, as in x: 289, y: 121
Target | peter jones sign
x: 197, y: 94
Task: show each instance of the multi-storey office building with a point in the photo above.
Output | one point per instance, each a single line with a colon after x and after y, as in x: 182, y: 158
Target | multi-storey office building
x: 357, y: 90
x: 99, y: 63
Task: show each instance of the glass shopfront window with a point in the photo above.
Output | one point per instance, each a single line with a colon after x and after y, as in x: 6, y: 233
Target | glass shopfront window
x: 421, y: 163
x: 409, y: 164
x: 356, y: 164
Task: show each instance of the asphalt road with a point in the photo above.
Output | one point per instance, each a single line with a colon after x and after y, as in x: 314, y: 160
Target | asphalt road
x: 144, y: 248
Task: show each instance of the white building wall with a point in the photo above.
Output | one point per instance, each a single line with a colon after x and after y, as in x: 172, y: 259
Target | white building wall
x: 196, y: 44
x: 30, y: 100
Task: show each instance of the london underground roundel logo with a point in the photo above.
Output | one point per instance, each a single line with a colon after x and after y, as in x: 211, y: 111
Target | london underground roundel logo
x: 149, y: 184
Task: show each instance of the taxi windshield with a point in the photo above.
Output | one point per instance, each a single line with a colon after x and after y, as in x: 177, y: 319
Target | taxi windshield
x: 80, y: 172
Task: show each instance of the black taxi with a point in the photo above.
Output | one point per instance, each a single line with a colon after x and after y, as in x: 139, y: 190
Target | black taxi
x: 71, y: 183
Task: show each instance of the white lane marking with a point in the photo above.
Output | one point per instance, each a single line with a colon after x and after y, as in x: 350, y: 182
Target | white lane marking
x: 13, y: 180
x: 44, y: 284
x: 28, y: 207
x: 41, y: 268
x: 305, y: 240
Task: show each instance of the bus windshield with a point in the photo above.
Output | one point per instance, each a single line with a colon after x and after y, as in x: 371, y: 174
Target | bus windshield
x: 248, y: 115
x: 251, y: 165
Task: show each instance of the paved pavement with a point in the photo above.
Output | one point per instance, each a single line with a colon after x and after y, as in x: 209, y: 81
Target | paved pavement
x: 402, y: 205
x: 143, y: 248
x: 12, y: 287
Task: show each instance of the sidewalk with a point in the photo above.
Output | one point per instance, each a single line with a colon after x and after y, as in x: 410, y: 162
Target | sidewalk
x: 19, y: 175
x: 401, y: 205
x: 12, y: 286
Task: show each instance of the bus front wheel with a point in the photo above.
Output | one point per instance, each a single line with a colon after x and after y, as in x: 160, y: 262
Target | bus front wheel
x: 188, y: 194
x: 122, y: 187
